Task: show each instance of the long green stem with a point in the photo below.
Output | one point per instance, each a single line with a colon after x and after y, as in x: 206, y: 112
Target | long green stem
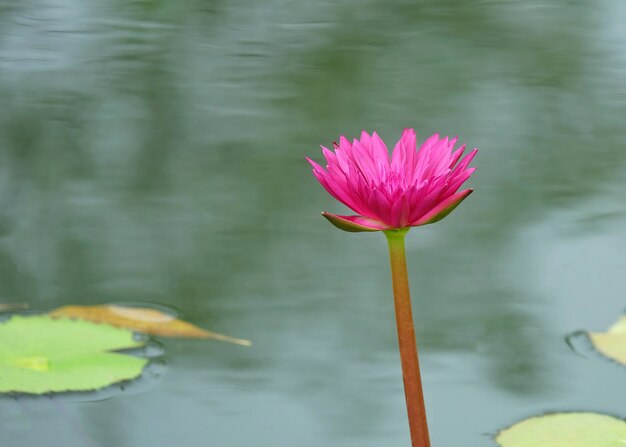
x: 406, y: 339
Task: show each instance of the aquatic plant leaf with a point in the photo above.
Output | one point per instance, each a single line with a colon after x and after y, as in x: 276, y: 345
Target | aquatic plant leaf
x: 565, y: 430
x: 142, y: 319
x: 12, y: 306
x: 612, y: 343
x: 40, y: 354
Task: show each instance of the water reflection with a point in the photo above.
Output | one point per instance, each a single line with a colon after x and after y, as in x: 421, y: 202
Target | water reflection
x: 153, y: 151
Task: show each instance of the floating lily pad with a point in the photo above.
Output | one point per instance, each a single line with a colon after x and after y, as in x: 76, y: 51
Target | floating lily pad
x: 40, y: 354
x: 565, y: 430
x: 612, y: 343
x: 142, y: 319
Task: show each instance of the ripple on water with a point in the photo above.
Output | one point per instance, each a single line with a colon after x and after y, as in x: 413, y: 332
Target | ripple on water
x: 580, y: 343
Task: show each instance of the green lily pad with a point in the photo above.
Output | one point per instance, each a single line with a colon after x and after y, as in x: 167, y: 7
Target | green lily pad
x: 565, y: 430
x: 40, y: 354
x: 612, y: 343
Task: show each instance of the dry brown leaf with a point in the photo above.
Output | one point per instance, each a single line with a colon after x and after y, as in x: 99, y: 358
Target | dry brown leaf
x: 142, y: 319
x: 13, y: 306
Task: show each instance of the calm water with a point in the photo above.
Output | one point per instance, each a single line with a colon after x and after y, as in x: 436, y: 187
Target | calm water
x: 154, y: 151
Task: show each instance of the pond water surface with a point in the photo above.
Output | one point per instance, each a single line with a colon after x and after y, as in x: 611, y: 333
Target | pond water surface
x: 153, y: 151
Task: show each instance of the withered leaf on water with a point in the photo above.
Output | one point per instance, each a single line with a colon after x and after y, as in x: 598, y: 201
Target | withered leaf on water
x: 142, y: 319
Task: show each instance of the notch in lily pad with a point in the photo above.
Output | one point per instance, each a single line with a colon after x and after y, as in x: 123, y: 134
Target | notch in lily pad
x: 40, y: 354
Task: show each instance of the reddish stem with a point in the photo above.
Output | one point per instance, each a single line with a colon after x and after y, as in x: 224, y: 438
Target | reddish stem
x: 406, y: 339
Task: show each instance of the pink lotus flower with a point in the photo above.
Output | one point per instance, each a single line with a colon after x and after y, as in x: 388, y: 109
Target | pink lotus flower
x: 410, y: 188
